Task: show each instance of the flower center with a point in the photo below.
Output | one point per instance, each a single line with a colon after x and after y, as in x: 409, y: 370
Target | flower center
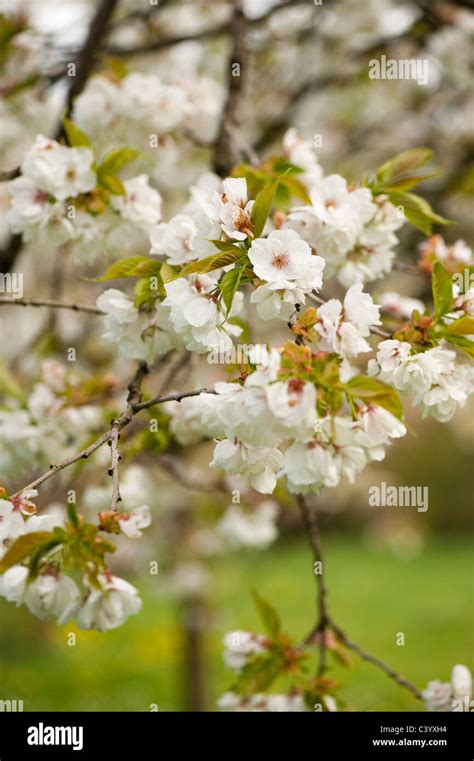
x: 280, y: 260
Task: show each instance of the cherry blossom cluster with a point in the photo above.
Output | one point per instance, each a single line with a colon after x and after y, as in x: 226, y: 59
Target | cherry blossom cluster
x: 455, y: 257
x: 432, y: 379
x: 267, y: 413
x: 352, y: 230
x: 60, y: 194
x: 455, y: 695
x: 139, y: 105
x: 262, y: 702
x: 270, y: 423
x: 54, y: 556
x: 54, y: 418
x: 260, y: 659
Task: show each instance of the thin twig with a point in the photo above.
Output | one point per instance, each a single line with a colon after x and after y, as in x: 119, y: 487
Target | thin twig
x: 400, y: 680
x: 114, y: 467
x: 410, y: 269
x: 53, y: 469
x: 170, y: 398
x: 311, y: 521
x: 30, y: 302
x: 325, y: 622
x: 163, y: 44
x: 134, y: 406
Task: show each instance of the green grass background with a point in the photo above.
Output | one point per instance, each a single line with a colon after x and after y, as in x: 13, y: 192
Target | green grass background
x: 373, y: 596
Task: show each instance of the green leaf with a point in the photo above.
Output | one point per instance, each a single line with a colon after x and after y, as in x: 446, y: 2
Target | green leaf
x: 257, y: 675
x: 402, y: 164
x: 268, y: 615
x: 113, y: 184
x: 376, y: 391
x: 168, y: 272
x: 134, y: 266
x: 115, y: 160
x: 262, y: 206
x: 462, y: 327
x: 58, y: 536
x: 296, y: 189
x: 148, y: 290
x: 282, y: 166
x: 76, y: 137
x: 223, y: 245
x: 229, y: 284
x: 418, y: 211
x: 214, y: 262
x: 442, y: 288
x: 22, y: 548
x: 72, y: 514
x: 463, y: 343
x: 407, y: 183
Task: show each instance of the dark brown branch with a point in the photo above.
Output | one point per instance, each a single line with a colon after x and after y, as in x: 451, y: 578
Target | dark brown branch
x: 155, y: 46
x: 9, y: 174
x: 87, y: 57
x: 85, y: 63
x: 206, y: 34
x: 225, y: 154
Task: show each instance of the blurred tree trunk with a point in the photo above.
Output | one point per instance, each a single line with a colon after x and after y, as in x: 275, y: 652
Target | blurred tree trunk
x: 195, y: 679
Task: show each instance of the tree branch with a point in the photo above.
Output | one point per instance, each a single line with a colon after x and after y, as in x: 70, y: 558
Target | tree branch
x: 30, y: 302
x: 364, y: 655
x: 114, y: 466
x: 155, y: 46
x: 311, y: 522
x: 224, y: 155
x: 87, y: 57
x: 84, y: 63
x: 325, y: 622
x: 134, y: 406
x: 9, y: 174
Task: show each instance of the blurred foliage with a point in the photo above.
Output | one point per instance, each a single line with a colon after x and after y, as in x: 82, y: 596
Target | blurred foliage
x: 373, y: 595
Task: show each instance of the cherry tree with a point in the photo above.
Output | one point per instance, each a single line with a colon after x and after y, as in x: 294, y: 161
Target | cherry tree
x: 223, y: 248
